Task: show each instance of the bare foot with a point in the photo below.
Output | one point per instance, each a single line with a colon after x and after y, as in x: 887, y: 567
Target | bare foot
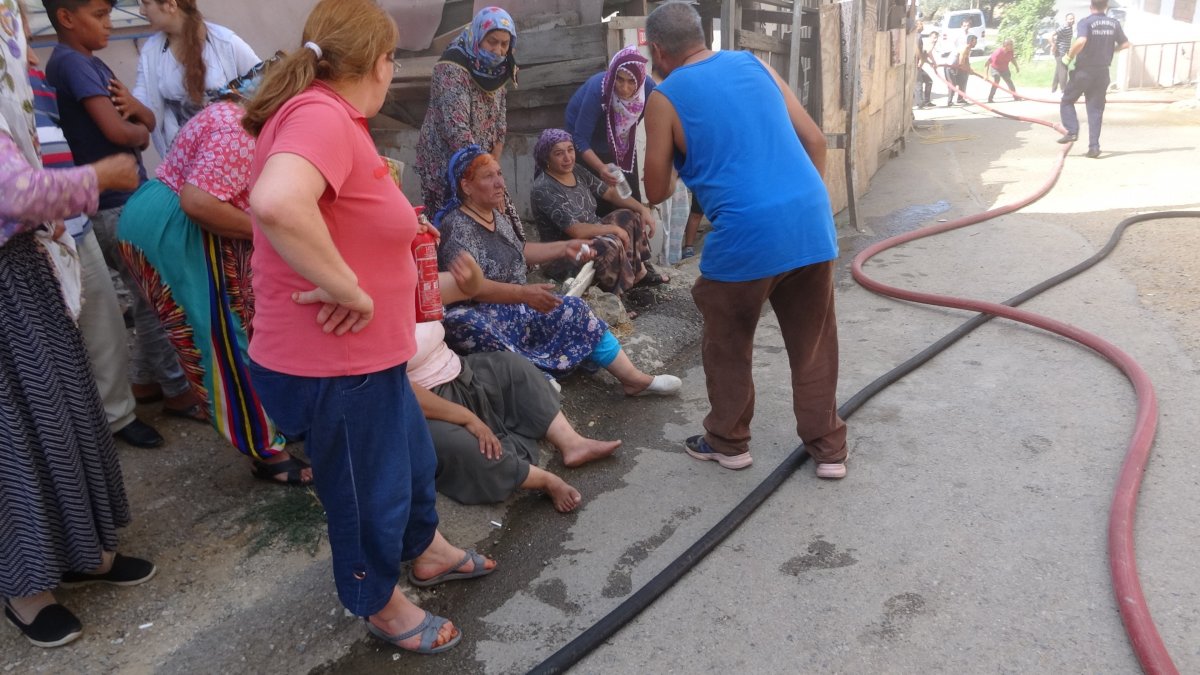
x: 587, y: 450
x: 565, y: 497
x: 441, y: 557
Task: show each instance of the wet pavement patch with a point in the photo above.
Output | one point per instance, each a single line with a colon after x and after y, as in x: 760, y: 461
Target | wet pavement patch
x: 620, y: 581
x: 822, y: 555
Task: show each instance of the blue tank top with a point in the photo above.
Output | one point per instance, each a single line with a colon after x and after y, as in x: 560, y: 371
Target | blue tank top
x: 768, y: 205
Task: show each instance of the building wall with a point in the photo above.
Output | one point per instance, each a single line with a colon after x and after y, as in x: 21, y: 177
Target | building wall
x: 267, y: 25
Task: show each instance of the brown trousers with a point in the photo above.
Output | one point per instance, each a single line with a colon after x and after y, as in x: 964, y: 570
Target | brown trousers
x: 803, y: 303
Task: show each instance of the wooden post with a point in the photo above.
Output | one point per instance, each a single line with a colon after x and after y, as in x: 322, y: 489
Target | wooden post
x: 856, y: 21
x: 794, y: 56
x: 730, y: 22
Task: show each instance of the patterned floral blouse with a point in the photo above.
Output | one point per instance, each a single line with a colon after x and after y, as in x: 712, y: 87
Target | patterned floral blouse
x: 460, y: 113
x: 214, y: 153
x: 501, y: 254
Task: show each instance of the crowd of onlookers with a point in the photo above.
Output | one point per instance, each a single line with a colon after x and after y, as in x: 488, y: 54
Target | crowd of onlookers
x: 273, y: 289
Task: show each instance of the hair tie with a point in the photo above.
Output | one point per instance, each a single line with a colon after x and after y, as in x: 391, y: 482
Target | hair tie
x: 316, y: 49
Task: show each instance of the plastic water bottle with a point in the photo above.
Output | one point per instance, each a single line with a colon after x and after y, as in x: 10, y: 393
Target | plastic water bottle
x: 623, y: 189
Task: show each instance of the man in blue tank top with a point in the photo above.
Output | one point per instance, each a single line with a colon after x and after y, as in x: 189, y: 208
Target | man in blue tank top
x: 744, y: 145
x: 1097, y: 37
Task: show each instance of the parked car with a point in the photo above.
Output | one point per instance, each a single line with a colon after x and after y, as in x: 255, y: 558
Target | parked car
x: 951, y: 29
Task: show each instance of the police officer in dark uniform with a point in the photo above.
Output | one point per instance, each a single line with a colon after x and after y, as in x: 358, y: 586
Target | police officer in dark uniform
x: 1098, y: 36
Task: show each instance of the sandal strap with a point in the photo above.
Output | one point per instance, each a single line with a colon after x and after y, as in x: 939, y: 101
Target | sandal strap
x: 290, y: 467
x: 469, y: 555
x: 416, y: 630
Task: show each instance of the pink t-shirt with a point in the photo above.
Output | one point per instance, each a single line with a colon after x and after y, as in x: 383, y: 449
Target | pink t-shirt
x: 212, y: 152
x: 372, y: 225
x: 434, y: 362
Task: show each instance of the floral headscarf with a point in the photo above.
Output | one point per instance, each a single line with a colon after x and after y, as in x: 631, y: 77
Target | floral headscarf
x: 546, y: 143
x: 489, y: 71
x: 621, y: 115
x: 16, y: 100
x: 459, y: 162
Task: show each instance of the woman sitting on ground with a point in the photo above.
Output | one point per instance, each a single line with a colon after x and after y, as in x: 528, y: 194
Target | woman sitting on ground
x: 186, y: 237
x: 564, y: 206
x: 487, y: 412
x: 558, y: 334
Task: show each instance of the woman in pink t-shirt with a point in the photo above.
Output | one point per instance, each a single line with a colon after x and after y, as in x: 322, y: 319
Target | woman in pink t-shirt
x: 334, y: 287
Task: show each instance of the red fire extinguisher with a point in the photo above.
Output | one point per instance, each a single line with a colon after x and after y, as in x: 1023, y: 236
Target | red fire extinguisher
x: 429, y: 294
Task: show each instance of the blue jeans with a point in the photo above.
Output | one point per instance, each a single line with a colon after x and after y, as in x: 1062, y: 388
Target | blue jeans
x: 373, y: 467
x: 1092, y: 83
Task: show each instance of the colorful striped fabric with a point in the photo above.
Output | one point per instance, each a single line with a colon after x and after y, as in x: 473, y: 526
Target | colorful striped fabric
x: 200, y: 285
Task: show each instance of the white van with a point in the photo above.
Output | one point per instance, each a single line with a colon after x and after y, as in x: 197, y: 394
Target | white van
x: 950, y: 28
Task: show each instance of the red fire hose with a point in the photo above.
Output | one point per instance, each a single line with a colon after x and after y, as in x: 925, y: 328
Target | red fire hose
x: 1135, y: 613
x: 1147, y: 644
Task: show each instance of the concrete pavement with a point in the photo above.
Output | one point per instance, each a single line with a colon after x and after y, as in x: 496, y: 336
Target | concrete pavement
x: 968, y: 537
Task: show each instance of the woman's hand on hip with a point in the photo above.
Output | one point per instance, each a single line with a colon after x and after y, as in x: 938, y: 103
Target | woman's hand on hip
x: 339, y: 317
x: 489, y: 445
x: 539, y: 297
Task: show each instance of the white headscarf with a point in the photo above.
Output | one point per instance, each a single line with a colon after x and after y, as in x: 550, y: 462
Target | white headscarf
x: 16, y: 97
x: 17, y: 122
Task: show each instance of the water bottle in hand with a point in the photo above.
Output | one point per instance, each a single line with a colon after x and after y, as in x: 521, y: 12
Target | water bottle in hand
x: 623, y: 189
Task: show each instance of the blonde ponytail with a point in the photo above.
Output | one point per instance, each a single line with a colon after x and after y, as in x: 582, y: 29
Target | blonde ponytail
x: 284, y: 80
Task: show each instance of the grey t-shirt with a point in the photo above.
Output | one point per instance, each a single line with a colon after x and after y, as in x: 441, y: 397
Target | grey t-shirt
x: 557, y: 207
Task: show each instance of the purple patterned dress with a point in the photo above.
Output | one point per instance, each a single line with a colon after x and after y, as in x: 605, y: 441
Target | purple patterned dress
x: 460, y: 113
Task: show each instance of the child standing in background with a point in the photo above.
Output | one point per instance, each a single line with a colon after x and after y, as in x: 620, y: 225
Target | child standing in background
x: 100, y: 317
x: 101, y: 118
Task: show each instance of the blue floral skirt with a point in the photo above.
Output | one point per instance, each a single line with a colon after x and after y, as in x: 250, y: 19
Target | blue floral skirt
x: 558, y: 342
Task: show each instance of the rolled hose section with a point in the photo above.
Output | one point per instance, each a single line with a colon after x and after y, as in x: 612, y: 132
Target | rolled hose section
x: 625, y: 612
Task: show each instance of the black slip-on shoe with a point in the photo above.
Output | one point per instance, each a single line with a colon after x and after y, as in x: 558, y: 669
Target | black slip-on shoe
x: 54, y: 626
x: 125, y: 571
x: 140, y: 435
x: 1068, y: 138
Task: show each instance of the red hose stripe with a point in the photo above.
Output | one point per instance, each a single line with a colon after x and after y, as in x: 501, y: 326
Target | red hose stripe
x: 1135, y: 613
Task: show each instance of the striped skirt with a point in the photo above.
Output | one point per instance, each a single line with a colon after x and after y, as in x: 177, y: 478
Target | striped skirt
x: 61, y: 493
x: 200, y: 285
